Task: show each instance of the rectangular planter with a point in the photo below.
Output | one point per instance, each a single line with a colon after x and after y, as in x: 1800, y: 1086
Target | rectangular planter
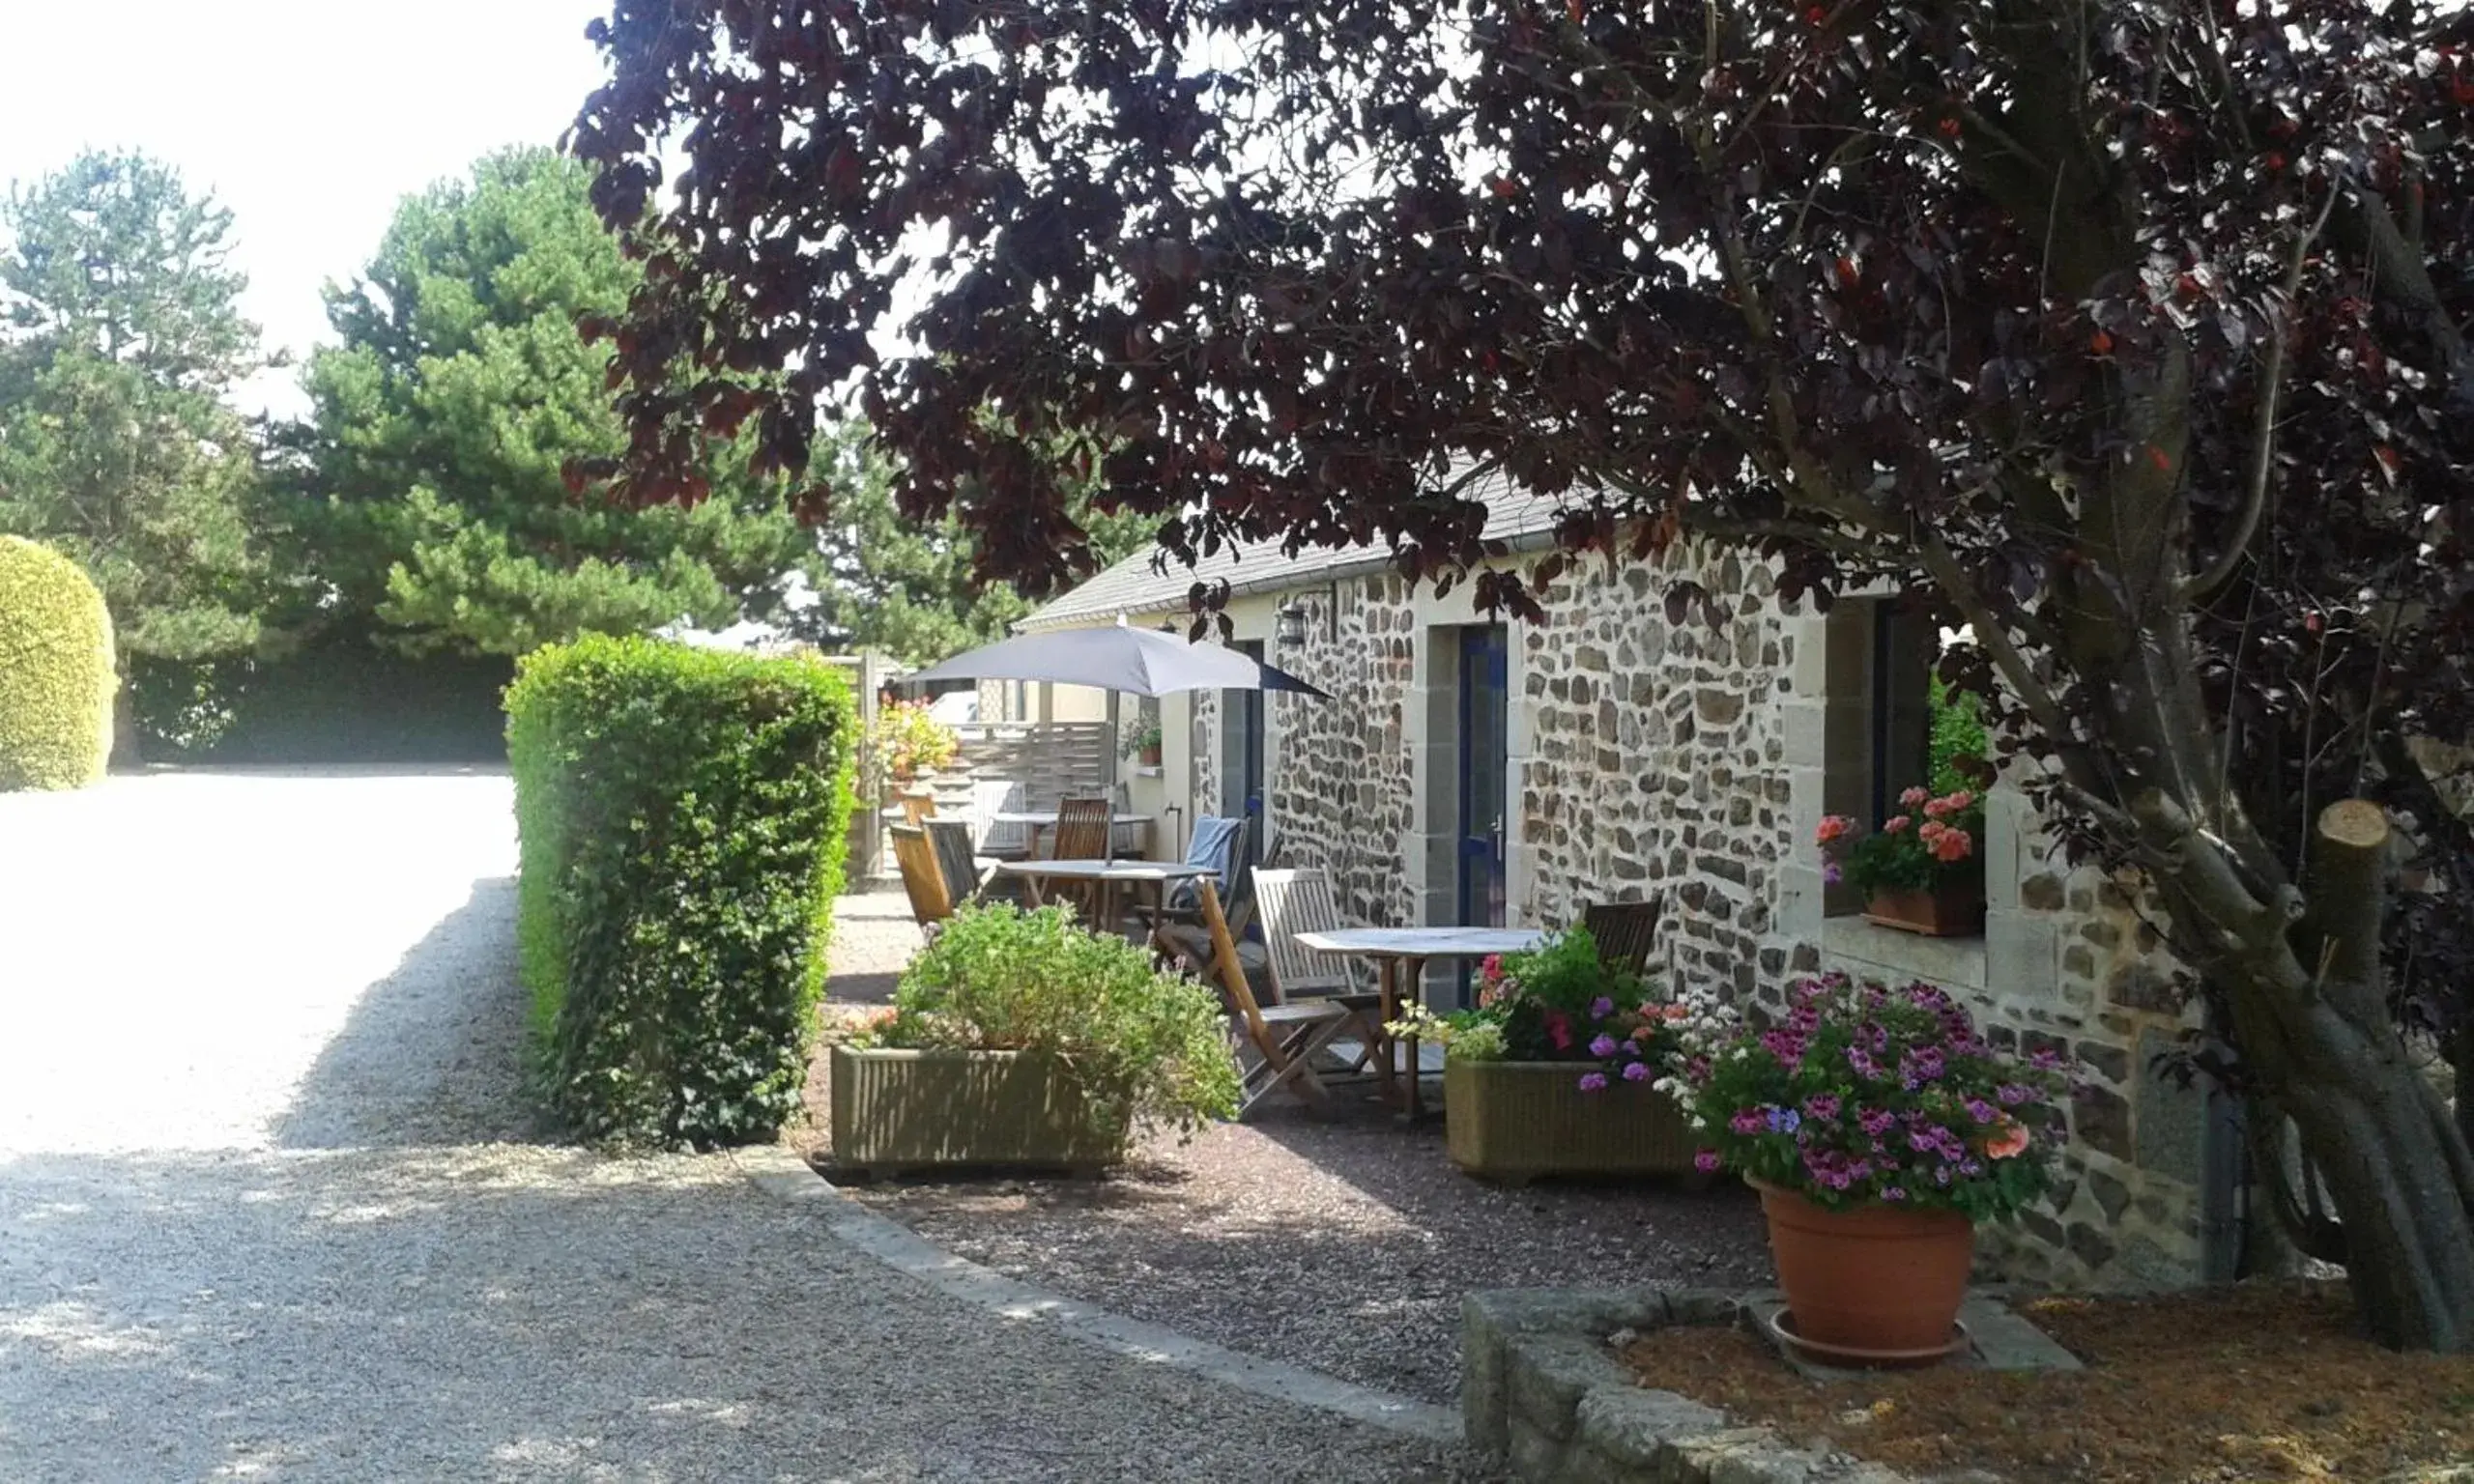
x: 1515, y: 1121
x: 1949, y: 912
x: 895, y: 1111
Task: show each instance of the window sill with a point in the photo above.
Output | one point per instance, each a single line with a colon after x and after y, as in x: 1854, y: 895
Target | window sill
x: 1868, y: 949
x: 1151, y: 772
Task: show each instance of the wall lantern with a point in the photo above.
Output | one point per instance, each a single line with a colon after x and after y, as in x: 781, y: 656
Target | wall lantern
x: 1292, y: 625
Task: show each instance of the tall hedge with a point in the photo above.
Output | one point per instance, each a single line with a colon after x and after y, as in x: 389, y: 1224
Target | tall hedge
x: 683, y: 818
x: 56, y: 677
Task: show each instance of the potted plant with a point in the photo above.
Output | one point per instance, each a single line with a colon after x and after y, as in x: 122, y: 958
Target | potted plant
x: 1021, y: 1038
x: 906, y: 743
x: 1920, y: 871
x: 1879, y: 1128
x: 1550, y: 1072
x: 1143, y: 745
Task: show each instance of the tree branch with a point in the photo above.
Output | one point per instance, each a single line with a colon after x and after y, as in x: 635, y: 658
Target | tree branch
x: 2201, y: 588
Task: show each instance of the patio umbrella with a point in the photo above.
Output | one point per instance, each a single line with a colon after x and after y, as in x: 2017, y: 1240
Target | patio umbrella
x: 1143, y: 662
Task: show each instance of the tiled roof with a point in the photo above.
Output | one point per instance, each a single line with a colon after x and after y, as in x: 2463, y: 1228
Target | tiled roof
x: 1133, y: 588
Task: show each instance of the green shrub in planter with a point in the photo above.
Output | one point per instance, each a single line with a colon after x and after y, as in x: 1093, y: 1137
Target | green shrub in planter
x: 56, y: 679
x: 682, y: 817
x: 1142, y: 1046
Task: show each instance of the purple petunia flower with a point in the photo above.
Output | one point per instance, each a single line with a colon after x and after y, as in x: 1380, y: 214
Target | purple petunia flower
x: 2012, y: 1093
x: 1862, y: 1062
x: 1593, y: 1082
x: 1631, y: 1048
x: 1876, y: 1121
x: 1831, y: 873
x: 1893, y: 1193
x: 1705, y: 1161
x: 1747, y: 1121
x: 2044, y: 1059
x: 1601, y: 1008
x: 1822, y: 1105
x: 1637, y: 1071
x: 1603, y: 1047
x: 1982, y: 1111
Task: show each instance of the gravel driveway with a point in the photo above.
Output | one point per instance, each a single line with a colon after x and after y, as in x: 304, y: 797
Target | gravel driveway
x: 270, y: 1206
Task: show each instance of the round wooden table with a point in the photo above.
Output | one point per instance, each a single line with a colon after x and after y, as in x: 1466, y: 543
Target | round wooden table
x: 1107, y: 876
x: 1039, y: 822
x: 1395, y: 949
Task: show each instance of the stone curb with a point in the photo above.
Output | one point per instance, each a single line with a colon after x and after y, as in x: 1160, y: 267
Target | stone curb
x: 1543, y: 1392
x: 784, y: 1175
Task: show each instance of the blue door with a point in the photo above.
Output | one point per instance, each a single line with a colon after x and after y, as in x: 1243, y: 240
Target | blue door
x: 1246, y: 736
x: 1485, y: 769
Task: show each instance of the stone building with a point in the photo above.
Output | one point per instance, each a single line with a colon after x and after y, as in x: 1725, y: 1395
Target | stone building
x: 1468, y: 771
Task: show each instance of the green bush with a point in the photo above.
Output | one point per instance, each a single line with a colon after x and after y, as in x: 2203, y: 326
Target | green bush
x: 683, y: 817
x: 56, y: 676
x: 1146, y: 1047
x: 1956, y: 760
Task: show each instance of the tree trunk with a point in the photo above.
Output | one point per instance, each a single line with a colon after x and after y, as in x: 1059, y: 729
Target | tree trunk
x: 126, y: 751
x: 2395, y: 1168
x: 2464, y: 1062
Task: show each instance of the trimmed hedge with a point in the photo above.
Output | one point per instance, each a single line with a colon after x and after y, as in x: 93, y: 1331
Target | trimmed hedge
x: 56, y: 676
x: 683, y: 817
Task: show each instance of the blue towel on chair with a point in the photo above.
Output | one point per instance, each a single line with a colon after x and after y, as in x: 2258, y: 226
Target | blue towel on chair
x: 1210, y: 846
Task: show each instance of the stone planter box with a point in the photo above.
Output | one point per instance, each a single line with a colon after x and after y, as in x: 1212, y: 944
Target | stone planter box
x: 1543, y: 1396
x: 898, y: 1111
x: 1515, y: 1121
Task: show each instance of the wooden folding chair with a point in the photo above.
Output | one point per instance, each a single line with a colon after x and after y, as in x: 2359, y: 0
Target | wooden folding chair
x: 956, y: 861
x: 1625, y: 931
x: 1083, y: 828
x: 1288, y: 902
x: 931, y: 903
x: 1283, y: 1039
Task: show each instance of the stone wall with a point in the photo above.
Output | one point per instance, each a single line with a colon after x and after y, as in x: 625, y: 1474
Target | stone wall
x: 1341, y: 790
x: 2127, y: 1211
x: 1656, y: 759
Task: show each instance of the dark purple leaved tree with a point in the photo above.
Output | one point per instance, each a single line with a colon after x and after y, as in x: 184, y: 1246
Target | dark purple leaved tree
x: 2130, y: 332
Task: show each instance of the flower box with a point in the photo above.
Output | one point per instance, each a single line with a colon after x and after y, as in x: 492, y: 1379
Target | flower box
x: 1949, y: 911
x: 1515, y: 1121
x: 900, y: 1110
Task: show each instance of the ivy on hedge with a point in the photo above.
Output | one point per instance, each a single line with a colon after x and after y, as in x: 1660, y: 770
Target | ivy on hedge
x: 56, y: 679
x: 683, y: 817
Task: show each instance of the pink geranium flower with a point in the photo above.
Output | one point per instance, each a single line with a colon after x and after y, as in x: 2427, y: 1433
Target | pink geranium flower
x: 1913, y: 797
x: 1833, y: 827
x: 1897, y: 824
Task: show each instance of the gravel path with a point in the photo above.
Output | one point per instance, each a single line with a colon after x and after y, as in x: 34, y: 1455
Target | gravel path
x: 1345, y: 1246
x: 267, y: 1210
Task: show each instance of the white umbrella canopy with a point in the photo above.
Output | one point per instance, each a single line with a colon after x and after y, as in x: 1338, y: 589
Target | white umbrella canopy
x: 1141, y: 662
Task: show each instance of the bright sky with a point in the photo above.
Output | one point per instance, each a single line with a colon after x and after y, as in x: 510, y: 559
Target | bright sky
x: 308, y: 118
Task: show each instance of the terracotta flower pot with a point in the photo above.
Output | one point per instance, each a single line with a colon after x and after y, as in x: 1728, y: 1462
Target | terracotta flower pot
x: 1876, y: 1285
x: 1943, y: 912
x: 1149, y: 756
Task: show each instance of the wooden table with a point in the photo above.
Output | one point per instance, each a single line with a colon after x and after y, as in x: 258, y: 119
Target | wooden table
x: 1108, y: 877
x: 1395, y: 949
x: 1039, y: 822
